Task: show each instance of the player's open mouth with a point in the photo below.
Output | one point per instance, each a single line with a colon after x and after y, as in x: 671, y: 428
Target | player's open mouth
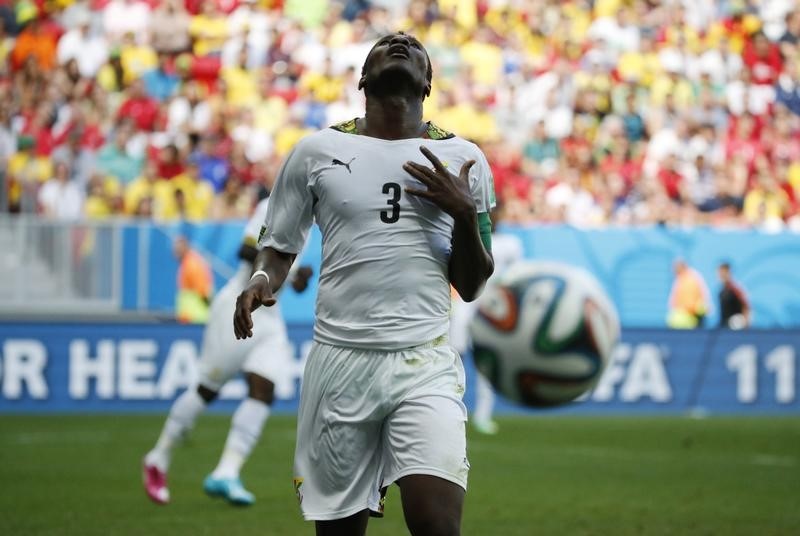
x: 399, y: 50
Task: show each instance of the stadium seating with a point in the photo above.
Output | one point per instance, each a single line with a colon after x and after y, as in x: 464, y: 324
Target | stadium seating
x: 613, y: 112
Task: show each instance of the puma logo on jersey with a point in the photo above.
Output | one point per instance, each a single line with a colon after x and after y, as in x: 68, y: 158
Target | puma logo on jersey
x: 337, y: 162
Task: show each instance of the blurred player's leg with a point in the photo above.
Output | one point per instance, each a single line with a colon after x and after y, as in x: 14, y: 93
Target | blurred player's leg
x: 484, y: 406
x: 246, y: 426
x: 181, y: 419
x: 461, y: 314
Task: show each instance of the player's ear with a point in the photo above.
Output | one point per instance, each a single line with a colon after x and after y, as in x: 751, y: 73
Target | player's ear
x: 427, y: 91
x: 362, y: 82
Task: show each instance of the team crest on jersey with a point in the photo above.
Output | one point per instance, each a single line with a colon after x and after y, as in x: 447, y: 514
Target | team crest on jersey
x: 298, y: 481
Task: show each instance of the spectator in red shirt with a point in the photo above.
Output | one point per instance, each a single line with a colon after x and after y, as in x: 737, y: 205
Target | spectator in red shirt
x: 763, y: 59
x: 509, y: 181
x: 670, y: 179
x: 41, y: 129
x: 169, y: 162
x: 143, y: 110
x: 744, y: 141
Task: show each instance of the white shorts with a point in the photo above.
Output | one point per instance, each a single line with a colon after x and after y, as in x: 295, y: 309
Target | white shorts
x: 368, y: 418
x: 222, y: 356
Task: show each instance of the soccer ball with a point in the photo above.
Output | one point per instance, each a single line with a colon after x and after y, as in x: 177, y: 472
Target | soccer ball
x: 544, y: 332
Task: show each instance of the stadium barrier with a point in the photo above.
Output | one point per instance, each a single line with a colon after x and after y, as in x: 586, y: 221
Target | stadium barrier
x: 128, y: 267
x: 122, y: 368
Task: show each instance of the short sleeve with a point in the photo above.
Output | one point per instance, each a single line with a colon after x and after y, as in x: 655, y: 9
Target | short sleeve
x: 290, y: 211
x: 482, y: 184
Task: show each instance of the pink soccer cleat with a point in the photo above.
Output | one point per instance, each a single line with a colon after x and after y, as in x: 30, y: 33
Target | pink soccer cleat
x: 155, y: 484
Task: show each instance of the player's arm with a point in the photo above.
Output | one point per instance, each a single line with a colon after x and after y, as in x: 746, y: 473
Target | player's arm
x: 270, y: 269
x: 299, y: 275
x: 286, y: 224
x: 471, y: 261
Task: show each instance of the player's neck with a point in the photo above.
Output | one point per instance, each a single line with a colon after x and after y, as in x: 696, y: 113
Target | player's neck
x: 392, y: 118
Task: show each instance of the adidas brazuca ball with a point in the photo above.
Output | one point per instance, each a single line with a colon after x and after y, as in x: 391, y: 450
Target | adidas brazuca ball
x: 544, y: 332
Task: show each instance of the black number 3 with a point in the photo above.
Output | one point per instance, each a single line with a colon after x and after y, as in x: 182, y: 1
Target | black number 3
x: 394, y: 189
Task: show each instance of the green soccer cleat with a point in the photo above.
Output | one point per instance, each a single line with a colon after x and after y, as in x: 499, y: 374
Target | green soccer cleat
x: 230, y: 489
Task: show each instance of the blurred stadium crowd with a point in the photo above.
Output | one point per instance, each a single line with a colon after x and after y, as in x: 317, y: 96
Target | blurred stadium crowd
x: 605, y: 112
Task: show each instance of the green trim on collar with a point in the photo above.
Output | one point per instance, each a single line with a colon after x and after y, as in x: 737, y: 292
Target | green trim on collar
x: 434, y: 132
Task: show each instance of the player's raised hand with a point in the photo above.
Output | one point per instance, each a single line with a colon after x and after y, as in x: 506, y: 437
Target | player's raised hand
x: 447, y: 191
x: 256, y: 294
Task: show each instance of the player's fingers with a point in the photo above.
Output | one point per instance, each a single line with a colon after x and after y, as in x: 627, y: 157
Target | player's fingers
x: 242, y: 323
x: 238, y: 325
x: 419, y: 193
x: 464, y: 174
x: 423, y: 174
x: 269, y: 302
x: 434, y: 160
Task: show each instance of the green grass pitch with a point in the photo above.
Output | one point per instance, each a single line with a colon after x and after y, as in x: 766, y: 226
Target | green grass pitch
x: 546, y: 475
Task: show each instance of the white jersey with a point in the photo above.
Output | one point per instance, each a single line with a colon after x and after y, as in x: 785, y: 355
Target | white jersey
x: 251, y: 232
x: 253, y: 226
x: 384, y: 276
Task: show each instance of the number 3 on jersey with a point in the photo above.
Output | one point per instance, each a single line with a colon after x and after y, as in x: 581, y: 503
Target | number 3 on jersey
x: 392, y: 189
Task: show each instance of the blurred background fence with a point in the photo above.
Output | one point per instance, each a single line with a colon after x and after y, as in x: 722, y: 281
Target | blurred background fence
x: 128, y: 267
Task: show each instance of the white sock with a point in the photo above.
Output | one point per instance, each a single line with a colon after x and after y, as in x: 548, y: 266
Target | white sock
x: 246, y: 425
x: 181, y: 419
x: 484, y: 399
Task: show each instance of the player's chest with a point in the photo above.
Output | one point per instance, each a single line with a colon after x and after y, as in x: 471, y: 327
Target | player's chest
x: 366, y: 185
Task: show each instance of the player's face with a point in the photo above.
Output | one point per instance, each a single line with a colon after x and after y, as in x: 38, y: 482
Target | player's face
x: 397, y: 55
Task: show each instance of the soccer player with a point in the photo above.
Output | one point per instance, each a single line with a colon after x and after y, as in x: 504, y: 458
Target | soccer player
x: 403, y: 208
x: 507, y: 249
x: 222, y: 356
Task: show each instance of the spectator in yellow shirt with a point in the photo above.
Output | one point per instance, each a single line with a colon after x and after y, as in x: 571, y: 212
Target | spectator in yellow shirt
x: 103, y: 197
x: 766, y: 202
x: 147, y: 185
x: 136, y: 59
x: 209, y: 29
x: 26, y: 172
x: 192, y: 195
x: 288, y: 136
x: 241, y: 82
x: 323, y: 86
x: 484, y: 57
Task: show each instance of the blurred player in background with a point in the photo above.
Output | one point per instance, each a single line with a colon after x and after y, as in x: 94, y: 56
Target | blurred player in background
x: 734, y: 309
x: 222, y: 356
x: 381, y: 400
x: 506, y: 250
